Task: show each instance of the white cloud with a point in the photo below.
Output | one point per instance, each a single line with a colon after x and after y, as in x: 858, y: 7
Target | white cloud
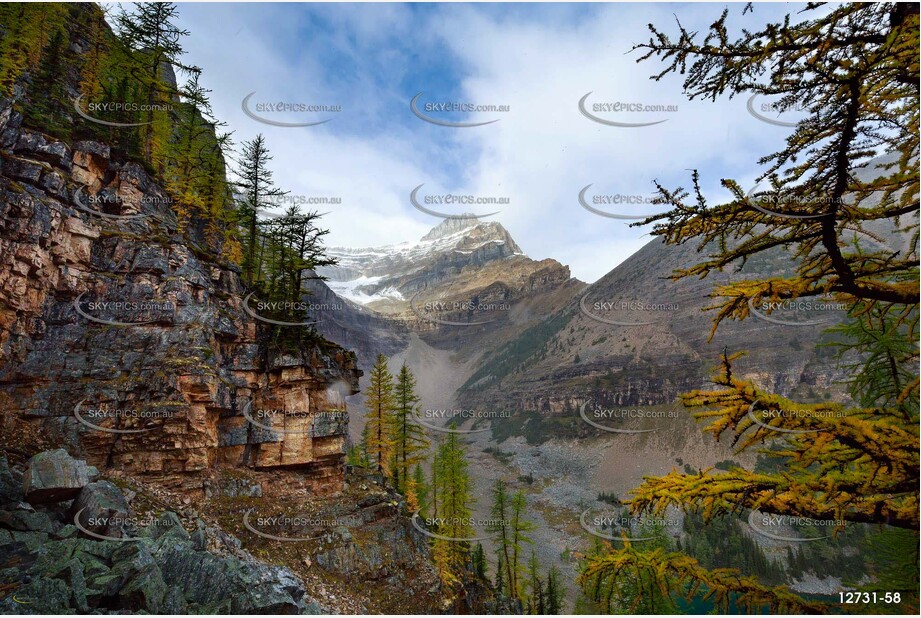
x: 540, y: 154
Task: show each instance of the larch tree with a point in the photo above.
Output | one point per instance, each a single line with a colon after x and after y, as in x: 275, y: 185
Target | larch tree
x: 410, y: 442
x: 536, y: 599
x: 293, y: 251
x: 510, y: 527
x: 150, y: 33
x: 519, y: 527
x: 420, y: 489
x: 194, y: 155
x: 849, y: 173
x: 554, y: 593
x: 379, y: 425
x: 502, y: 536
x: 453, y: 513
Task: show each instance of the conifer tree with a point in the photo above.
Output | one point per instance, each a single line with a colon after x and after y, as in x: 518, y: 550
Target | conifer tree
x: 520, y: 526
x: 500, y: 575
x: 419, y: 488
x: 454, y: 510
x: 380, y: 420
x: 535, y: 587
x: 434, y: 487
x: 192, y: 157
x: 48, y: 93
x: 28, y: 29
x: 258, y: 191
x: 91, y: 70
x: 478, y: 561
x: 854, y: 67
x: 502, y: 535
x: 154, y: 41
x: 510, y: 529
x: 554, y: 594
x: 410, y: 443
x: 294, y: 250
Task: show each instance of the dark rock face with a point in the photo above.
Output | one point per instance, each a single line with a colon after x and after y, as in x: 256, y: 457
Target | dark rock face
x: 10, y: 483
x: 229, y: 585
x: 126, y: 341
x: 101, y: 508
x: 55, y: 476
x: 53, y: 568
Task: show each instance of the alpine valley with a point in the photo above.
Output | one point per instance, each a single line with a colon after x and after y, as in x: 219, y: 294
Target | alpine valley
x: 170, y: 443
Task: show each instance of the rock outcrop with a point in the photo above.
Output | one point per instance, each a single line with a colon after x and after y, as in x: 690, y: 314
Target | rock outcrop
x: 125, y: 339
x: 53, y: 476
x: 52, y: 563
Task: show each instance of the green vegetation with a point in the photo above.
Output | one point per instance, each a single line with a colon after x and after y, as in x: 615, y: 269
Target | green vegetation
x: 855, y: 69
x: 380, y: 422
x: 609, y: 498
x: 125, y: 79
x: 409, y: 441
x: 512, y: 356
x: 520, y: 582
x: 537, y: 428
x: 451, y: 507
x: 510, y: 533
x: 721, y: 543
x: 627, y: 590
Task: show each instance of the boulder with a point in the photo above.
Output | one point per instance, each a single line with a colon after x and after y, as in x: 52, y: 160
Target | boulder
x: 168, y: 524
x: 217, y: 584
x: 25, y: 520
x: 55, y: 476
x: 101, y: 508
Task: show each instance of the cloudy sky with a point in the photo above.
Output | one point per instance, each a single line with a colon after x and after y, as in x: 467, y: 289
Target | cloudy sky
x: 539, y: 60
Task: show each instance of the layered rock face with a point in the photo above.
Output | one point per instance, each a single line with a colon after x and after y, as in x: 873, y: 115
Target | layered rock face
x: 125, y: 339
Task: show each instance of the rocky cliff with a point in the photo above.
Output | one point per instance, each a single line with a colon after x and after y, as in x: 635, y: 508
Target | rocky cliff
x: 126, y: 340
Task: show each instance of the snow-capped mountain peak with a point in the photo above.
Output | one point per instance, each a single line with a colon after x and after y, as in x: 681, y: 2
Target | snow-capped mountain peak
x: 365, y: 275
